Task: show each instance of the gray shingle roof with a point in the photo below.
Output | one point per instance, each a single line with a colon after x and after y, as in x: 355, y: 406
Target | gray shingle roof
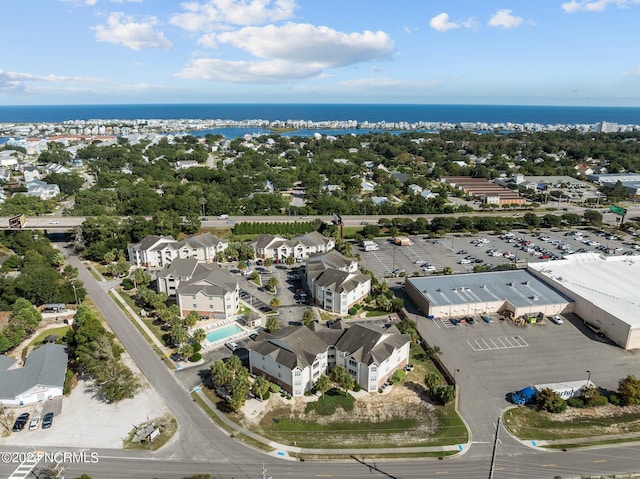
x: 210, y: 279
x: 371, y: 344
x: 6, y: 362
x: 45, y: 366
x: 291, y: 347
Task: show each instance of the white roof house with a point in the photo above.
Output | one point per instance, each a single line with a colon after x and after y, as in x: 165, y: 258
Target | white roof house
x: 41, y: 378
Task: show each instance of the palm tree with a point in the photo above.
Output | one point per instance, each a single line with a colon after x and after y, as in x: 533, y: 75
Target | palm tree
x: 274, y: 303
x: 199, y: 335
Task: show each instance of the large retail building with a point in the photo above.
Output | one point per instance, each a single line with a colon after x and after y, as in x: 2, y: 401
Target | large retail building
x: 601, y: 290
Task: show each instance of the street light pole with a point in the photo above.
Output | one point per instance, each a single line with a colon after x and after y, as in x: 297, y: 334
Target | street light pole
x: 588, y: 378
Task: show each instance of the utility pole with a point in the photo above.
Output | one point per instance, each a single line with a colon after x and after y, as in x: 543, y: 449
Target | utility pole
x: 495, y: 449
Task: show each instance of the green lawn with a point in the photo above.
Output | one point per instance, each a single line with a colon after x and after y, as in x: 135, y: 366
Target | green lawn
x: 529, y: 424
x: 61, y: 332
x: 332, y: 399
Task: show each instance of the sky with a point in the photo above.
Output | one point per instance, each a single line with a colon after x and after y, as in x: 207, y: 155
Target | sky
x: 542, y: 52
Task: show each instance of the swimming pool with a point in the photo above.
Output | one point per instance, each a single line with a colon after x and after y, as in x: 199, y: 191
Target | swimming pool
x: 223, y: 333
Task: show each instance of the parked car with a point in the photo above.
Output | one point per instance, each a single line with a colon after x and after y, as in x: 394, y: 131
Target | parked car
x: 470, y: 320
x: 556, y: 319
x: 487, y: 319
x: 21, y: 422
x: 47, y: 420
x: 35, y: 422
x: 428, y: 267
x: 232, y: 345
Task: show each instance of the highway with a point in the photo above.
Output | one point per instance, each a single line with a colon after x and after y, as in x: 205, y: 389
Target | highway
x: 65, y: 223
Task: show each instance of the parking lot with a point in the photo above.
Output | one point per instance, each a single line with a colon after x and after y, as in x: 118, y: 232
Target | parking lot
x: 462, y: 252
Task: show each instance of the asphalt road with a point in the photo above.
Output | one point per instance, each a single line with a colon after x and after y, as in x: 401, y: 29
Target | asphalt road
x: 63, y: 223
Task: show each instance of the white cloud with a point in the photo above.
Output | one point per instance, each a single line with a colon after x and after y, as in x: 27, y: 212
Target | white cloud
x: 633, y: 72
x: 121, y: 29
x: 308, y: 44
x: 275, y: 71
x: 19, y: 80
x: 292, y: 51
x: 441, y: 23
x: 204, y: 16
x: 595, y: 5
x: 385, y: 83
x: 504, y: 19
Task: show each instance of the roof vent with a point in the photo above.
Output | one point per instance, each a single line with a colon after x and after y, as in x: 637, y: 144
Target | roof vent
x: 439, y: 290
x: 535, y: 297
x: 454, y: 289
x: 526, y: 282
x: 510, y: 283
x: 483, y: 286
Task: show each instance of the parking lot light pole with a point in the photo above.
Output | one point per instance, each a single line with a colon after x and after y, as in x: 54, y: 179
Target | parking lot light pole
x: 588, y: 378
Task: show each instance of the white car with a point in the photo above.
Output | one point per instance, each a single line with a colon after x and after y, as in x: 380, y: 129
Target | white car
x: 428, y: 267
x: 54, y: 222
x: 418, y: 261
x: 464, y: 261
x: 34, y: 423
x: 232, y: 345
x: 556, y: 319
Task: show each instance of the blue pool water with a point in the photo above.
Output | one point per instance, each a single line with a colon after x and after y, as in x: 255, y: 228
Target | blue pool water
x: 223, y: 333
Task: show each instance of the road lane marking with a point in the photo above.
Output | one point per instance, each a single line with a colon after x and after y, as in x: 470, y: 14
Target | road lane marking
x: 600, y: 460
x: 548, y: 465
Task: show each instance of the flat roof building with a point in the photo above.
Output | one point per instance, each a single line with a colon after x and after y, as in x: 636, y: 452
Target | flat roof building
x: 519, y: 292
x: 605, y: 291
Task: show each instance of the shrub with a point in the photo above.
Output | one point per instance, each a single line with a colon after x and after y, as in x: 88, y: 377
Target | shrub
x: 196, y: 347
x: 274, y: 388
x: 549, y: 400
x: 575, y: 402
x: 266, y: 396
x: 614, y: 399
x: 195, y: 357
x: 599, y: 401
x: 397, y: 376
x: 356, y: 387
x: 127, y: 284
x: 352, y: 311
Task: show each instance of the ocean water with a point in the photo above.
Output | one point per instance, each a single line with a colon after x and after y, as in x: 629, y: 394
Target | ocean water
x: 320, y: 112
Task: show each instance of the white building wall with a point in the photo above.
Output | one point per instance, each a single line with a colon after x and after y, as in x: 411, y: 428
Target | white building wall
x: 34, y: 395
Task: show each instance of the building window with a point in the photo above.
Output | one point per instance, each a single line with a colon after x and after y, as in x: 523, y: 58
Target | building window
x: 195, y: 305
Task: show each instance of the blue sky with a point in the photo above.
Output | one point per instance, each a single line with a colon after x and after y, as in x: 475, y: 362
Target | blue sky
x: 542, y: 52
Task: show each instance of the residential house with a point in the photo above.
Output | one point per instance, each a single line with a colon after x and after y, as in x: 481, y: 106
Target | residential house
x: 206, y: 288
x: 40, y: 379
x: 335, y: 282
x: 5, y: 175
x: 300, y: 247
x: 159, y: 251
x: 184, y: 164
x: 30, y: 173
x: 42, y: 190
x: 415, y: 189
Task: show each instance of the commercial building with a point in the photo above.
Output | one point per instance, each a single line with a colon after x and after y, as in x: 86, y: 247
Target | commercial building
x: 485, y: 190
x: 518, y: 292
x: 605, y: 291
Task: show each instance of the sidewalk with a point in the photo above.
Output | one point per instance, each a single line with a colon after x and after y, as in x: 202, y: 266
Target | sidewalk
x: 284, y: 451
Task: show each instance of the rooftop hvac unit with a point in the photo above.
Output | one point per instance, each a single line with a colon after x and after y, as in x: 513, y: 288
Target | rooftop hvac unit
x: 535, y: 297
x: 510, y: 283
x: 483, y: 286
x: 526, y: 282
x: 438, y: 290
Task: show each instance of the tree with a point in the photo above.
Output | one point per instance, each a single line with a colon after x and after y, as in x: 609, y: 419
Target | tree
x: 342, y: 378
x: 290, y: 261
x: 186, y: 350
x: 549, y: 400
x: 260, y: 387
x: 323, y: 384
x: 307, y: 317
x: 199, y: 335
x: 629, y: 391
x: 532, y: 220
x: 191, y: 319
x: 272, y: 283
x: 272, y: 323
x: 431, y: 380
x: 268, y: 262
x: 221, y: 374
x: 593, y: 217
x: 274, y: 303
x: 444, y: 394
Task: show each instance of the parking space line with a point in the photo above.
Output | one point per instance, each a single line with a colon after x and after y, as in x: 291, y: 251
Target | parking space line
x: 490, y: 344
